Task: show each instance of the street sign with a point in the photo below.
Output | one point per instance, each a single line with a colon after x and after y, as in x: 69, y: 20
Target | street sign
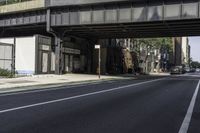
x: 97, y: 46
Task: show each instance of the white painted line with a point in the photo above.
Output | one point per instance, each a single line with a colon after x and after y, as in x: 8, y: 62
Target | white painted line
x: 181, y: 79
x: 187, y: 119
x: 74, y: 97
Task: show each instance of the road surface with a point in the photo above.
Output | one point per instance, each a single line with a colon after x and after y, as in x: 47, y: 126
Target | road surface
x: 145, y: 105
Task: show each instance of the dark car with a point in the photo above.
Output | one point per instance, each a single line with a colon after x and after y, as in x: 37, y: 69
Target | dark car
x: 177, y: 70
x: 187, y: 69
x: 193, y: 70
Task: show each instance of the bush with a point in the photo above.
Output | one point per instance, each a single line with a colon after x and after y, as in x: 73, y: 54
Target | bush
x: 6, y: 73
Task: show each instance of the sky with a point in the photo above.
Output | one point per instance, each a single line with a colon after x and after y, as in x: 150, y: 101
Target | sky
x: 195, y: 48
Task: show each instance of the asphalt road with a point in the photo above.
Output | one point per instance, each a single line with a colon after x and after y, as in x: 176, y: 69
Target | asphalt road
x: 144, y: 105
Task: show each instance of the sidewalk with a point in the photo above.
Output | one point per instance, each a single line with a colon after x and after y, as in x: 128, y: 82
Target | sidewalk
x: 7, y: 85
x: 160, y: 74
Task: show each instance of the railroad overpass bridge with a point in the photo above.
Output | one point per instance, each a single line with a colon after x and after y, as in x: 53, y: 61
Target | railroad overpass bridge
x: 100, y: 19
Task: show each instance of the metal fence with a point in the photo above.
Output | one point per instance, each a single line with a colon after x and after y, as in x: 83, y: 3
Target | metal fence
x: 6, y: 56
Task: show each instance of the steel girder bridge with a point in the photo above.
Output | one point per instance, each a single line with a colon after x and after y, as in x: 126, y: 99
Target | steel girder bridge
x: 100, y: 19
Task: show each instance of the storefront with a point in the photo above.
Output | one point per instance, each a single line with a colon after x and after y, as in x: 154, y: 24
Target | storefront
x: 36, y: 55
x: 43, y: 55
x: 71, y: 60
x: 76, y: 57
x: 32, y: 54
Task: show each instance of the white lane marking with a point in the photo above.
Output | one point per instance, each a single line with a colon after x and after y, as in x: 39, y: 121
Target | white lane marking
x: 177, y: 79
x: 78, y: 96
x: 187, y: 119
x: 52, y: 89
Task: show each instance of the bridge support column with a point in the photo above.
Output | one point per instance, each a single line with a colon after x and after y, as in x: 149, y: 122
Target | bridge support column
x: 59, y: 55
x: 58, y: 44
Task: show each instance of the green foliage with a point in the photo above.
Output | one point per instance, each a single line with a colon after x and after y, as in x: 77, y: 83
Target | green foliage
x: 195, y: 64
x: 156, y: 43
x: 151, y: 44
x: 6, y: 73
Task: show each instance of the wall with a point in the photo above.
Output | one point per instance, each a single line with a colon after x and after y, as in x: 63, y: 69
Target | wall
x: 25, y: 55
x: 184, y: 50
x: 5, y: 53
x: 28, y: 5
x: 178, y: 51
x: 6, y: 56
x: 7, y: 40
x: 33, y: 54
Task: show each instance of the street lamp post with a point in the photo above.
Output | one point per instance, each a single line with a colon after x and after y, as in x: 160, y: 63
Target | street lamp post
x: 99, y: 64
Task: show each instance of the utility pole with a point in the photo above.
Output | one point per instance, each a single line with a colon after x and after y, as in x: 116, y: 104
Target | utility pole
x: 13, y: 57
x: 99, y: 64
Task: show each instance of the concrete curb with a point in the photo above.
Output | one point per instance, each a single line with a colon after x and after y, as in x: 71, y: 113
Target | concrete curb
x: 53, y: 85
x: 159, y: 74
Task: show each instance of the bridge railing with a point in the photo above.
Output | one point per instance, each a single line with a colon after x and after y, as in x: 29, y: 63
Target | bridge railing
x: 22, y: 6
x: 125, y: 13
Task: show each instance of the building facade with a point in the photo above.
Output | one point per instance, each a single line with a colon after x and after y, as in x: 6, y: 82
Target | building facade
x: 177, y: 51
x: 36, y: 55
x: 181, y: 51
x: 32, y: 54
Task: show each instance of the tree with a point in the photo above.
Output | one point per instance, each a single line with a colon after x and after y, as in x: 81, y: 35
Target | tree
x: 151, y: 44
x: 195, y: 64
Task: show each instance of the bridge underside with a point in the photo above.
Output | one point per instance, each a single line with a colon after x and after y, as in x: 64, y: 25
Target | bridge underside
x: 140, y: 30
x: 116, y: 20
x: 190, y: 27
x: 23, y: 30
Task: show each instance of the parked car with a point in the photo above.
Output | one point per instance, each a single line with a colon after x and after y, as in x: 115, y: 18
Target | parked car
x: 187, y: 69
x: 197, y: 70
x: 177, y: 70
x: 193, y: 70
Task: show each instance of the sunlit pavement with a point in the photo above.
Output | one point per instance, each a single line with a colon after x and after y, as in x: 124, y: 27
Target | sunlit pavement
x: 196, y: 74
x: 29, y: 82
x: 145, y: 105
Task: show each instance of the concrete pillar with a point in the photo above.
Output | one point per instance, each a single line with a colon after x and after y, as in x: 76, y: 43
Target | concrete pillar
x: 152, y: 63
x: 58, y: 44
x: 59, y: 56
x: 103, y: 60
